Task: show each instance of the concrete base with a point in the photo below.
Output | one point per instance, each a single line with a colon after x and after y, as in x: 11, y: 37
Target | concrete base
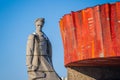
x: 93, y: 73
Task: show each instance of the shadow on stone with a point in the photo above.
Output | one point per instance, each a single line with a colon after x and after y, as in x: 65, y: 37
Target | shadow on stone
x: 93, y: 73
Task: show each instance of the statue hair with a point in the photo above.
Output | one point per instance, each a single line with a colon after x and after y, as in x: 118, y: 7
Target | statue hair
x: 39, y: 19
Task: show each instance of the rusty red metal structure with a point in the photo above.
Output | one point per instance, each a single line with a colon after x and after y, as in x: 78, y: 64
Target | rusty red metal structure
x: 91, y: 37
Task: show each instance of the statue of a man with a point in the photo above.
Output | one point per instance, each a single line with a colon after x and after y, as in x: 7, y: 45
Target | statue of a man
x: 39, y: 55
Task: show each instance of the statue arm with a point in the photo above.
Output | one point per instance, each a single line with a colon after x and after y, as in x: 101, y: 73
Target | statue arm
x: 50, y: 51
x: 30, y: 51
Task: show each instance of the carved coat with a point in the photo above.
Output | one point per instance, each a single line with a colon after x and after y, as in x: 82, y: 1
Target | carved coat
x: 39, y: 58
x: 39, y: 53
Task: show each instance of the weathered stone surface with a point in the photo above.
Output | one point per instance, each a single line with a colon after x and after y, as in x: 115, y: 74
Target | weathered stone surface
x: 93, y: 73
x: 39, y: 55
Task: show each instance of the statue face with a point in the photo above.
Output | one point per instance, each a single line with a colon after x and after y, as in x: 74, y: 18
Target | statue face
x: 39, y: 25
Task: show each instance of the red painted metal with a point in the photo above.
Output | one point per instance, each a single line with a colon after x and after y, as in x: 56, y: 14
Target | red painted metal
x: 117, y: 27
x: 91, y: 37
x: 98, y: 51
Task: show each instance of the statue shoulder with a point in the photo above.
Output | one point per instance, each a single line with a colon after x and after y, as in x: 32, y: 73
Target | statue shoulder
x: 31, y: 36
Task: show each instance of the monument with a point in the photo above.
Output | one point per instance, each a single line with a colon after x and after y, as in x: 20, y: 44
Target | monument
x: 39, y: 55
x: 91, y: 40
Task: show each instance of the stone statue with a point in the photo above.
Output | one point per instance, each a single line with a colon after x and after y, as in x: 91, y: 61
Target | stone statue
x: 39, y: 55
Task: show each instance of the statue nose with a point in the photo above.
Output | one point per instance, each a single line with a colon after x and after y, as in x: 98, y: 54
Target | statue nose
x: 38, y: 25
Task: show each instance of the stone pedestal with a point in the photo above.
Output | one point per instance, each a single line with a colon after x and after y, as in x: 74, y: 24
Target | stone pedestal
x: 93, y: 73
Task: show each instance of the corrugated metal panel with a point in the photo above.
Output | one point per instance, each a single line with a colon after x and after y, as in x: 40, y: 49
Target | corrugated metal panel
x: 73, y: 38
x: 98, y: 32
x: 118, y: 28
x: 67, y: 54
x: 105, y: 21
x: 92, y: 34
x: 77, y: 19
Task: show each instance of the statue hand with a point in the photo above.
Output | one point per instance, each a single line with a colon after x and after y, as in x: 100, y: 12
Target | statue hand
x: 29, y: 68
x: 34, y: 68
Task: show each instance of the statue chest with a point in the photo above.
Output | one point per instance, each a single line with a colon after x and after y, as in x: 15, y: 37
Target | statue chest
x: 41, y: 45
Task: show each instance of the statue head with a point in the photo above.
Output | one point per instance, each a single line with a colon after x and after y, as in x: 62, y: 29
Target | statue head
x: 39, y: 23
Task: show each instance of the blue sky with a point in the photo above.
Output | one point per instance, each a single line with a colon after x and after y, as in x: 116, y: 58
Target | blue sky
x: 17, y: 22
